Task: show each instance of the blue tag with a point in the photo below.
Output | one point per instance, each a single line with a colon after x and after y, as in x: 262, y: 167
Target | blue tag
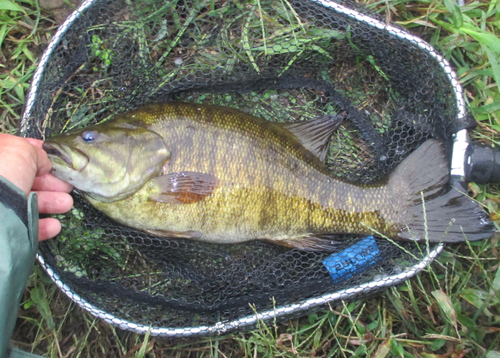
x: 356, y: 258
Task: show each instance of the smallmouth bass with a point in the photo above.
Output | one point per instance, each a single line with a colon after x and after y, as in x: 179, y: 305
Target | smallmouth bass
x: 220, y: 175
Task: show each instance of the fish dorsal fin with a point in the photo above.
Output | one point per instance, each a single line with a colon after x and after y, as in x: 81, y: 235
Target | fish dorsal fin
x: 184, y: 187
x: 315, y: 134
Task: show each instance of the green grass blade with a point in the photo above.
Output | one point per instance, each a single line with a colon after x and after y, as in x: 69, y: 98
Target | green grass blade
x: 494, y: 65
x: 485, y: 38
x: 9, y: 5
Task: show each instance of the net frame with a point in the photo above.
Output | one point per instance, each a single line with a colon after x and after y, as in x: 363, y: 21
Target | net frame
x: 223, y: 327
x: 457, y: 171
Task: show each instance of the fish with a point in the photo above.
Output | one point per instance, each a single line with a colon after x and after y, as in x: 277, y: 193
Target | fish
x: 219, y: 175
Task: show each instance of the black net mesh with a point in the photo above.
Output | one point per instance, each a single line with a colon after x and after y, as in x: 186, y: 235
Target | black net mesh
x: 276, y: 59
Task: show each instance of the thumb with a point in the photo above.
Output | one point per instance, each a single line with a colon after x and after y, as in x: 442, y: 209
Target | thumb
x: 43, y: 163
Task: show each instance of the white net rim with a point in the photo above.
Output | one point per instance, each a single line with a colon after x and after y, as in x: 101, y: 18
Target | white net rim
x: 247, y: 321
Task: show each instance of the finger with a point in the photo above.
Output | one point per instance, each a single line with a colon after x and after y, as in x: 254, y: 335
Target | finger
x: 51, y: 202
x: 48, y: 228
x: 48, y: 182
x: 18, y: 163
x: 42, y: 160
x: 35, y: 142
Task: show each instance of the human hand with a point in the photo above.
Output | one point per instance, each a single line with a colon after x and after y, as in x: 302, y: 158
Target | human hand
x: 26, y: 165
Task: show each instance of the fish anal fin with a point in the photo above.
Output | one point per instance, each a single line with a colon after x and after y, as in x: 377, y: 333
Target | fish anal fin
x: 315, y: 134
x: 184, y: 187
x: 176, y: 234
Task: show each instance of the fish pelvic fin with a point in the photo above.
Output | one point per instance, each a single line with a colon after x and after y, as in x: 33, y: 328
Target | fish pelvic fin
x: 434, y: 211
x: 308, y: 242
x: 176, y: 234
x: 315, y: 134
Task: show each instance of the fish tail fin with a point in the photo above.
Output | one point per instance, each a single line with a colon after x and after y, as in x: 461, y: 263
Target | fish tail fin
x: 432, y: 212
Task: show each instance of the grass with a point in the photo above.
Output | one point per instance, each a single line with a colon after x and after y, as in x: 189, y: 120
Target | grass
x: 450, y: 310
x: 24, y: 32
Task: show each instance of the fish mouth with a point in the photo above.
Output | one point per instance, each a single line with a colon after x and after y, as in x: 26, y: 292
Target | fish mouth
x: 55, y: 151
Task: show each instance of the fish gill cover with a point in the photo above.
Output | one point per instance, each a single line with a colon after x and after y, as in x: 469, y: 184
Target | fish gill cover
x: 279, y: 60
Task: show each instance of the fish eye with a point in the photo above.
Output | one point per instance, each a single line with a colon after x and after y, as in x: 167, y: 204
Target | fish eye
x: 89, y: 136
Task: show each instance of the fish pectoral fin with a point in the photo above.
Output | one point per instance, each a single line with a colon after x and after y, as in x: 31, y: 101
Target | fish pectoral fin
x: 315, y: 134
x: 184, y: 187
x: 176, y: 234
x: 308, y: 242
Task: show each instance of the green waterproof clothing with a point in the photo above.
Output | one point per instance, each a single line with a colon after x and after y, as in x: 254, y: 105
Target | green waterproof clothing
x: 18, y: 246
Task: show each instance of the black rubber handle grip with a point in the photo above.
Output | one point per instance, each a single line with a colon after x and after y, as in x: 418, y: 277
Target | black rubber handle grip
x: 482, y: 164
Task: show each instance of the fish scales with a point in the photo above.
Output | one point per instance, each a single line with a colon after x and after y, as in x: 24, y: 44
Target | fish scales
x: 269, y: 167
x: 231, y: 177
